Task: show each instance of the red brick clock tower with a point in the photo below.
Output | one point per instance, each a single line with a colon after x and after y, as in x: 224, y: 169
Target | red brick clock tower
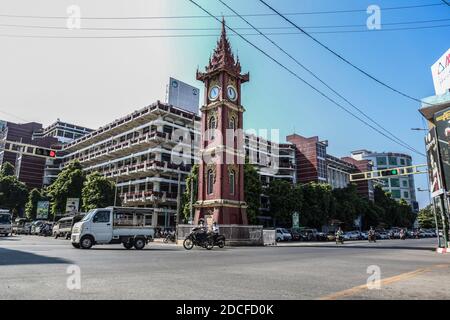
x: 221, y: 172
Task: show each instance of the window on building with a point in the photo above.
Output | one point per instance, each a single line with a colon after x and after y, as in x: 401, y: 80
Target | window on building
x: 210, y: 184
x: 395, y: 183
x: 396, y: 194
x: 232, y: 123
x: 406, y: 194
x: 405, y: 183
x: 212, y: 127
x: 381, y: 161
x: 393, y: 161
x: 232, y: 182
x: 402, y: 162
x: 409, y: 162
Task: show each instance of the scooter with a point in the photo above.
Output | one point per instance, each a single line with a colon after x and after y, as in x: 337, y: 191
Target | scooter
x: 339, y: 239
x: 372, y: 238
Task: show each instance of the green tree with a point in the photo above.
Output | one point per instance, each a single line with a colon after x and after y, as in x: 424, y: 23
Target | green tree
x: 13, y: 194
x: 318, y: 206
x: 252, y: 191
x: 282, y: 202
x: 191, y: 179
x: 394, y: 213
x: 68, y: 184
x: 349, y: 206
x: 98, y: 192
x: 31, y: 207
x: 7, y: 169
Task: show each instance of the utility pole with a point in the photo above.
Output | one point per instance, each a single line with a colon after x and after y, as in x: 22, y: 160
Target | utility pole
x: 177, y: 220
x: 115, y: 191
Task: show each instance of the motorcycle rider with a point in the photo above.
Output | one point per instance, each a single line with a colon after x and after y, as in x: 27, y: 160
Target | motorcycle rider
x: 339, y: 234
x: 201, y: 230
x: 402, y: 234
x: 371, y: 234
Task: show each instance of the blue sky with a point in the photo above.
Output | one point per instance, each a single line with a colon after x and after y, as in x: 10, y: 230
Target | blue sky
x: 92, y: 82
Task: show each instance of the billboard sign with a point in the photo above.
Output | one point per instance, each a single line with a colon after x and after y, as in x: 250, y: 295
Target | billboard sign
x: 441, y: 74
x: 295, y: 220
x: 42, y: 210
x: 184, y: 96
x: 434, y: 167
x: 72, y: 205
x: 442, y: 121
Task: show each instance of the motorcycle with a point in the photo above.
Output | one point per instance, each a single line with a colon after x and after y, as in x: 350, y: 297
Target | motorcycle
x: 46, y: 230
x: 219, y: 240
x: 198, y: 238
x: 170, y: 238
x: 372, y: 238
x: 402, y: 235
x: 339, y: 239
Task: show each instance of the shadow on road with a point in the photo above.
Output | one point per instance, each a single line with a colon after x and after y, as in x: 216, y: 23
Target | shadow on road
x: 384, y: 247
x: 15, y: 257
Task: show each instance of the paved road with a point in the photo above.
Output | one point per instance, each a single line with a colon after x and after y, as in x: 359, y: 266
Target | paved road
x: 36, y: 268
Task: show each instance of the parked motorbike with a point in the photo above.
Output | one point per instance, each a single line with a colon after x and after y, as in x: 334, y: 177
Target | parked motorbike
x: 46, y: 230
x: 198, y: 238
x: 402, y: 235
x: 170, y: 238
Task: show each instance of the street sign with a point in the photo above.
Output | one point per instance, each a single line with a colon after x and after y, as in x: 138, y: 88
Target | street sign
x: 72, y: 205
x: 434, y: 171
x: 441, y: 74
x: 442, y: 121
x: 295, y: 220
x: 42, y: 210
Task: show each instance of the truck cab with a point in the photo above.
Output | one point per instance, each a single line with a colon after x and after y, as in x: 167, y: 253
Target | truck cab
x: 5, y: 223
x: 131, y: 227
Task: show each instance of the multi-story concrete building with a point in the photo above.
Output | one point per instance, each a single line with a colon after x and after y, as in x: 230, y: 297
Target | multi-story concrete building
x: 314, y: 164
x: 64, y: 132
x: 145, y: 154
x: 399, y: 187
x: 29, y: 169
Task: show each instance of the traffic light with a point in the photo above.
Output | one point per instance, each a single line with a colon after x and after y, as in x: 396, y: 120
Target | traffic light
x: 45, y: 152
x: 391, y: 172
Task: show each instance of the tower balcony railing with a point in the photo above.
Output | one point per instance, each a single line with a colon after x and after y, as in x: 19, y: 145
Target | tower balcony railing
x: 139, y: 170
x: 130, y: 146
x: 148, y: 197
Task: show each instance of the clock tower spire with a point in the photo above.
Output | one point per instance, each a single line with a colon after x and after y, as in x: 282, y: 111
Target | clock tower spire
x: 221, y: 171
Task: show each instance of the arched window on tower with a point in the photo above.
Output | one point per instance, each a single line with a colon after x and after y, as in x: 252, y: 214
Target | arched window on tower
x: 232, y: 123
x: 210, y: 182
x: 232, y: 178
x: 212, y: 127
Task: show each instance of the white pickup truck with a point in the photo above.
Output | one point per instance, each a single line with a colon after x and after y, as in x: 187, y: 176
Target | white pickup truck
x: 5, y: 223
x: 113, y: 225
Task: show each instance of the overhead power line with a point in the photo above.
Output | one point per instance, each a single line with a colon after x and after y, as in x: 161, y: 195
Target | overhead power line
x: 301, y: 79
x: 236, y: 28
x: 206, y: 35
x: 340, y: 56
x: 226, y: 16
x: 400, y: 141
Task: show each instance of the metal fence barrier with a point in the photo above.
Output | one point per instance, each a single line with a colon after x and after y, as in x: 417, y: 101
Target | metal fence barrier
x: 269, y: 237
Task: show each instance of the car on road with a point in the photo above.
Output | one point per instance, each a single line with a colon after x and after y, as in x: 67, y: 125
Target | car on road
x: 354, y: 235
x: 131, y: 227
x: 282, y: 234
x: 36, y: 227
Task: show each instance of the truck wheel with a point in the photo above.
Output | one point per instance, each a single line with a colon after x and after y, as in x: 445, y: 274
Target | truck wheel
x: 86, y: 242
x: 139, y: 244
x: 128, y: 245
x: 76, y: 245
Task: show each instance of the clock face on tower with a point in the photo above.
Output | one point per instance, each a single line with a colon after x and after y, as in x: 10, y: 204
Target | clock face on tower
x: 214, y: 93
x: 232, y: 93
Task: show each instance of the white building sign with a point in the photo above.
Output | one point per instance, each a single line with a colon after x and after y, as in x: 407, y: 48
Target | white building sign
x: 441, y: 74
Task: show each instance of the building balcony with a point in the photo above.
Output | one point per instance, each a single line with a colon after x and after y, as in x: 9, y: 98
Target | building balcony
x: 134, y: 145
x: 142, y: 170
x: 147, y: 197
